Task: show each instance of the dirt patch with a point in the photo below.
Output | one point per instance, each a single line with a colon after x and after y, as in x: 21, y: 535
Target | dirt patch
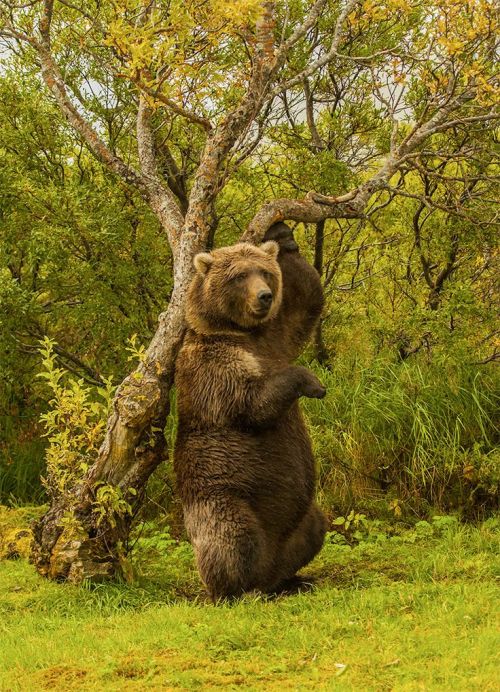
x: 61, y: 677
x: 133, y: 667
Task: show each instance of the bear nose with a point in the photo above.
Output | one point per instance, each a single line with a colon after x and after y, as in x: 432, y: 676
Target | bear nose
x: 265, y: 297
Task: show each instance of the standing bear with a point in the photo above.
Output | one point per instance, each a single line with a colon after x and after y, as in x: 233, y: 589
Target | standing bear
x: 243, y: 459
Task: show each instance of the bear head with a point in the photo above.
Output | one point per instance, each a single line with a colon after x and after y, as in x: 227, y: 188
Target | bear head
x: 235, y: 288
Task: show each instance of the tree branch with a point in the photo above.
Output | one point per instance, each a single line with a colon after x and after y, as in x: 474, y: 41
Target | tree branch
x: 161, y: 199
x: 55, y: 83
x: 308, y: 24
x: 231, y: 128
x: 175, y: 107
x: 309, y: 103
x: 315, y: 207
x: 325, y: 59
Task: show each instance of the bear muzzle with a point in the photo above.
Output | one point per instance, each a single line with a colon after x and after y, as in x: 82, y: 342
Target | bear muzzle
x: 265, y: 298
x: 262, y: 303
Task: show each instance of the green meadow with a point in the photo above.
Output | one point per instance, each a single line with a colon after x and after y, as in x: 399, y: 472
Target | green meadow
x: 399, y: 608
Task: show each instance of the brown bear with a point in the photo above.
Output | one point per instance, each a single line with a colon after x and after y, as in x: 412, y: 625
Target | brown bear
x: 243, y: 458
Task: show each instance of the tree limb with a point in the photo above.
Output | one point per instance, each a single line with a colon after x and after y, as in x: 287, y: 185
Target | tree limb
x: 161, y: 199
x: 175, y: 107
x: 55, y: 83
x: 314, y: 207
x: 307, y: 25
x: 323, y: 60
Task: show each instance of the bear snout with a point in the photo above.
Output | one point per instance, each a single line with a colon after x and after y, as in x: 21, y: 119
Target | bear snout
x: 265, y: 298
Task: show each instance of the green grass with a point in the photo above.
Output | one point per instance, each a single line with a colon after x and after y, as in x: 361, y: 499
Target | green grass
x: 405, y: 609
x: 425, y: 433
x: 428, y: 433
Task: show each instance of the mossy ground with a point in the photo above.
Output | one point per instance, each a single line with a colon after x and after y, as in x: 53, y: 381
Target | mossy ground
x: 405, y: 609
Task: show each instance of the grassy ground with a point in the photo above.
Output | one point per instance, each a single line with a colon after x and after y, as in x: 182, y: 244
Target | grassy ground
x: 404, y: 609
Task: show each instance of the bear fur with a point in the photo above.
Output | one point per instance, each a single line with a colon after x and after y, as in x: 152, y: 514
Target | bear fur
x: 243, y: 459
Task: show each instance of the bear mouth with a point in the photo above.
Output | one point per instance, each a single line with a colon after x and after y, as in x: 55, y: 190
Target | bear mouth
x: 260, y: 313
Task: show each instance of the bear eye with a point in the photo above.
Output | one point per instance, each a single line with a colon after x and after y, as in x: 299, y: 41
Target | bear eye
x: 267, y: 276
x: 241, y: 277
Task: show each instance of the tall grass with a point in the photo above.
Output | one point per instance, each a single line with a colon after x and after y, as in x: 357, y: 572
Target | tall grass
x: 410, y: 433
x: 427, y: 434
x: 22, y: 450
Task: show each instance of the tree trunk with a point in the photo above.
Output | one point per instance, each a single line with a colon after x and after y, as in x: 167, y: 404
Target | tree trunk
x: 320, y: 351
x: 70, y: 543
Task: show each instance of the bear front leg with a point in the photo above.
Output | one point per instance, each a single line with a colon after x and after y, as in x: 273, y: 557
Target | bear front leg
x: 302, y: 300
x: 229, y: 545
x: 269, y: 398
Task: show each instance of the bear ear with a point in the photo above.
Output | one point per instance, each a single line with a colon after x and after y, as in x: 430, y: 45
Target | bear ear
x: 202, y: 262
x: 271, y: 248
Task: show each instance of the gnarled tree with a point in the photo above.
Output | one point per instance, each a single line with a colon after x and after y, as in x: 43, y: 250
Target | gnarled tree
x: 217, y: 76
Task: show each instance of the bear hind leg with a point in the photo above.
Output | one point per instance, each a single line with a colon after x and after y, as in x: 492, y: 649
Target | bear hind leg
x: 301, y: 546
x: 229, y: 547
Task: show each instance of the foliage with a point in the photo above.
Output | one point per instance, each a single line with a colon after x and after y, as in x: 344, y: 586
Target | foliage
x: 74, y: 424
x: 81, y: 262
x: 110, y: 503
x: 80, y: 257
x: 424, y: 433
x: 15, y: 532
x: 21, y: 457
x: 356, y: 529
